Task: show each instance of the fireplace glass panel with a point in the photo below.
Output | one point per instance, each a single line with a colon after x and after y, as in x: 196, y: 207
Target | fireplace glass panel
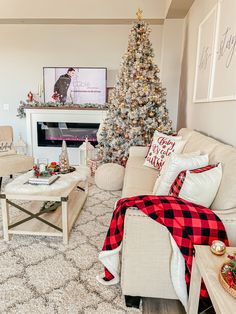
x: 53, y: 133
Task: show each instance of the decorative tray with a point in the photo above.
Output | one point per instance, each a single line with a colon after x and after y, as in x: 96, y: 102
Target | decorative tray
x: 227, y: 276
x: 71, y: 169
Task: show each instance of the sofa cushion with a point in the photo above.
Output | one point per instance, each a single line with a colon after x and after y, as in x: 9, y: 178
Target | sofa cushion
x: 226, y: 196
x: 185, y: 133
x: 138, y: 178
x: 200, y: 142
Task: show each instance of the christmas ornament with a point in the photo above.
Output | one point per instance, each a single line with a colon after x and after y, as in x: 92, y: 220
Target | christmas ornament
x: 151, y: 114
x: 218, y: 247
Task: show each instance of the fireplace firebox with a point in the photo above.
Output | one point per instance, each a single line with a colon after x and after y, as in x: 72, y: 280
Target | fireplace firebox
x: 51, y: 134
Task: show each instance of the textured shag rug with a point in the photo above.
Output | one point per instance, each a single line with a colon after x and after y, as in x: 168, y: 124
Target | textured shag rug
x: 41, y: 275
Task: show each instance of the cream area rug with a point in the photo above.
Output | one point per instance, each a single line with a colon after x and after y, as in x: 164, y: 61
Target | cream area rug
x: 41, y: 275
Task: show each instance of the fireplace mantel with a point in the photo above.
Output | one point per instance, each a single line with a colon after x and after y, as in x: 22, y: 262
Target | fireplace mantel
x: 34, y: 115
x: 62, y: 108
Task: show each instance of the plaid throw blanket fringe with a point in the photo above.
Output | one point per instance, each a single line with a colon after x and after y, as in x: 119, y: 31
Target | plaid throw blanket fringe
x: 188, y: 223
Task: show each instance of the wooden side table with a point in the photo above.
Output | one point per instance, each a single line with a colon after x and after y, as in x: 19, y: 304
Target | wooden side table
x: 206, y: 266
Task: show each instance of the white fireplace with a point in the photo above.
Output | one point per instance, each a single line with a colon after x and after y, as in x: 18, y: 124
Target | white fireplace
x: 35, y: 117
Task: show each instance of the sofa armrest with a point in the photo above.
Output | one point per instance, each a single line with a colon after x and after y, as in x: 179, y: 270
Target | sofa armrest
x: 138, y: 151
x: 146, y: 254
x: 228, y: 217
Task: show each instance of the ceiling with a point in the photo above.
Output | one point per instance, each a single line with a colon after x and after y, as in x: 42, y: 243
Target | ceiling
x: 90, y: 11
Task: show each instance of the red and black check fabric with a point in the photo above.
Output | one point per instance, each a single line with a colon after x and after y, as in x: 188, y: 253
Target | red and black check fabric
x: 188, y: 223
x: 179, y: 181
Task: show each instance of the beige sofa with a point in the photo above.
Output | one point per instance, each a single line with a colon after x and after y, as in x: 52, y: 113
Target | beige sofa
x: 147, y: 250
x: 12, y: 163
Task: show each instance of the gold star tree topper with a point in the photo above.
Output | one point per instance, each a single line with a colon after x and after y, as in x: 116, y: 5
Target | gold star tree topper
x: 139, y: 14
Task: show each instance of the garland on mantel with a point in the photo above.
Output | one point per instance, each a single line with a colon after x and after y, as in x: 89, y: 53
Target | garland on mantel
x: 35, y: 104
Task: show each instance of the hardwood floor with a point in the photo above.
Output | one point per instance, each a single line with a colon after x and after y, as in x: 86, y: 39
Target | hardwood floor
x: 162, y: 306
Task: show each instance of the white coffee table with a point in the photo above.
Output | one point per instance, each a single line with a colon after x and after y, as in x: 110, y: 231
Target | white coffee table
x: 70, y: 189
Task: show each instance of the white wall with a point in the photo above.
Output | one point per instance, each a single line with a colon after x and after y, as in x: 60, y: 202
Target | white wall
x: 26, y: 49
x: 172, y: 44
x: 215, y: 118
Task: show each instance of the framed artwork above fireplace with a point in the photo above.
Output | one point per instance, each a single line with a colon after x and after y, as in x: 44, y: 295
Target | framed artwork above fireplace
x: 75, y: 85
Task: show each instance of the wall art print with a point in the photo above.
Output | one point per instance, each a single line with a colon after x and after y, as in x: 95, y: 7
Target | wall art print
x: 215, y: 76
x: 224, y: 63
x: 205, y: 54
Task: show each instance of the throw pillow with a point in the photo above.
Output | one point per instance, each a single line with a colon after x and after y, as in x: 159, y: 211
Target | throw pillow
x: 6, y: 149
x: 162, y: 146
x: 166, y: 165
x: 198, y: 186
x: 176, y: 164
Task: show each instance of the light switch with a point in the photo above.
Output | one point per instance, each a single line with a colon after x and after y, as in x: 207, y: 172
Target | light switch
x: 6, y: 107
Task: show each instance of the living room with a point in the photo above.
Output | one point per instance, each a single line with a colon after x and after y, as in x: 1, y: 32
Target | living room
x: 143, y: 80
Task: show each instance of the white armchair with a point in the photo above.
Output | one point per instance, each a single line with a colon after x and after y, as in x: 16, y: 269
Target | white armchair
x: 10, y: 162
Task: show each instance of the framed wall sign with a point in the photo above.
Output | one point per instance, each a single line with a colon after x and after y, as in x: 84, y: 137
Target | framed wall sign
x: 205, y: 54
x: 223, y: 84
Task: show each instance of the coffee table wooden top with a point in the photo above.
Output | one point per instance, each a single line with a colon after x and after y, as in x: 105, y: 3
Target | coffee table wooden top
x: 59, y: 188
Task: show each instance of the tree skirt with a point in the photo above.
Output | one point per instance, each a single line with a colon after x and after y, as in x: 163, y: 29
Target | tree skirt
x: 41, y: 275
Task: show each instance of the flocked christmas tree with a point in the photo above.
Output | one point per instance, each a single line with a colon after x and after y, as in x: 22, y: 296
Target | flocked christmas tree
x: 138, y: 104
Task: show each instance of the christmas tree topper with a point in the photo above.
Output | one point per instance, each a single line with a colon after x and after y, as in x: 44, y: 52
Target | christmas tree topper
x: 139, y: 14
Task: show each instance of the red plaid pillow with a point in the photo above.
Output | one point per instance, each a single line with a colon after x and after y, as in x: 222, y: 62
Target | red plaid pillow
x: 178, y: 183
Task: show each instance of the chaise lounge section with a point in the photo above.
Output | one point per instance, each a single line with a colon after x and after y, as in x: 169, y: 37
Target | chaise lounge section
x: 147, y: 250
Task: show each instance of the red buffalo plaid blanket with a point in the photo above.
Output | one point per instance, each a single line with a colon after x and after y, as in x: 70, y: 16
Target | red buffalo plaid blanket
x: 188, y: 223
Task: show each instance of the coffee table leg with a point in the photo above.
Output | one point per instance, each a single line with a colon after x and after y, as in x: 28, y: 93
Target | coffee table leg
x: 64, y: 207
x: 194, y: 292
x: 5, y: 218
